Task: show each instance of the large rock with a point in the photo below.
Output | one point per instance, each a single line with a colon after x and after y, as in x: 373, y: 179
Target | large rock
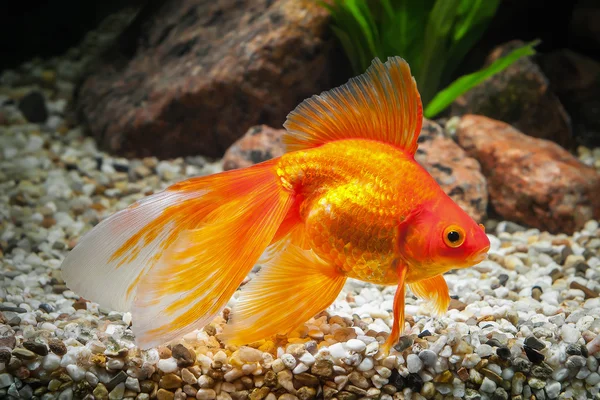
x: 521, y: 96
x: 531, y: 181
x: 260, y: 143
x: 189, y: 75
x: 576, y: 80
x: 459, y: 175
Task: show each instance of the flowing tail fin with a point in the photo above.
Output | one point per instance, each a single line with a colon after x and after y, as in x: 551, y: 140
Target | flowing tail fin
x: 175, y: 258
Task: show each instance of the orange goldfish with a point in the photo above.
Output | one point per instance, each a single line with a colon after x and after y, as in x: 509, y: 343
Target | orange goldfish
x: 347, y: 200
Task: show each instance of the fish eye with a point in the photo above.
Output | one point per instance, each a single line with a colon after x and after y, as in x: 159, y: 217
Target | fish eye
x: 454, y: 236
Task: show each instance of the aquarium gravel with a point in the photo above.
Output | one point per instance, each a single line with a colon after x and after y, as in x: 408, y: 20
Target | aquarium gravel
x: 523, y: 323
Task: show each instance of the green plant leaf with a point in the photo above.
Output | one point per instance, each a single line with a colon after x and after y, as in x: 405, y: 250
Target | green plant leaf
x: 463, y: 84
x: 437, y: 35
x: 473, y: 19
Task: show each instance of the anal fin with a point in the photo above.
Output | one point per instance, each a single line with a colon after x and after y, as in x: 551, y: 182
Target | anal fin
x: 290, y: 289
x: 434, y: 290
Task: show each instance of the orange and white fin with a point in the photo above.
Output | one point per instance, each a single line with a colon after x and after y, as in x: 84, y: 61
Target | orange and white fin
x: 382, y: 104
x: 398, y: 310
x: 175, y: 258
x: 109, y: 260
x: 435, y: 291
x: 288, y: 290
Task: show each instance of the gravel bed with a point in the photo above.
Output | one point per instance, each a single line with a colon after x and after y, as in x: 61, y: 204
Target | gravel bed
x: 523, y: 323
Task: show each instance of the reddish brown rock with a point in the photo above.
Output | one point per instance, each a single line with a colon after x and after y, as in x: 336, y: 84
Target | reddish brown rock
x: 188, y: 76
x: 259, y: 144
x: 459, y: 175
x: 531, y: 181
x: 521, y: 96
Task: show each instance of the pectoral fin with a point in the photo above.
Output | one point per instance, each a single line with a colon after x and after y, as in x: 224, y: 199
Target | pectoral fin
x: 398, y: 323
x: 434, y: 290
x: 290, y: 289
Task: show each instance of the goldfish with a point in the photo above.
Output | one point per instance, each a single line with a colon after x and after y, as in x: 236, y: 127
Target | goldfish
x: 346, y: 200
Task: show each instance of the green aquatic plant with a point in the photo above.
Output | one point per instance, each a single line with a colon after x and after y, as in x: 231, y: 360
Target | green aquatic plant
x: 432, y: 35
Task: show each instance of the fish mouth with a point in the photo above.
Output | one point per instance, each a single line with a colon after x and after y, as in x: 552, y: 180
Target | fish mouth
x: 480, y: 255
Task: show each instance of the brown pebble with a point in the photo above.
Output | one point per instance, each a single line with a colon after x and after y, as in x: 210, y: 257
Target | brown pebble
x: 147, y: 386
x: 355, y: 389
x: 259, y: 393
x: 589, y: 293
x: 164, y: 352
x: 170, y: 381
x: 358, y: 380
x: 306, y: 379
x: 163, y: 394
x: 36, y: 347
x: 456, y: 305
x: 329, y: 392
x: 307, y: 393
x: 444, y: 377
x: 536, y: 293
x: 322, y: 368
x: 491, y: 375
x: 183, y: 355
x: 556, y: 274
x: 80, y: 304
x: 463, y: 374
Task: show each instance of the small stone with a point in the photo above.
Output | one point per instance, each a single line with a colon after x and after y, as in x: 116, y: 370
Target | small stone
x: 118, y: 392
x: 188, y: 377
x: 575, y: 362
x: 533, y: 355
x: 365, y: 365
x: 358, y: 380
x: 306, y: 379
x: 503, y: 352
x: 487, y: 385
x: 57, y: 347
x: 520, y: 364
x: 23, y: 354
x: 38, y: 348
x: 552, y: 389
x: 536, y: 383
x: 356, y: 345
x: 75, y: 372
x: 322, y: 368
x: 100, y: 392
x: 484, y: 350
x: 206, y: 394
x: 163, y: 394
x: 6, y: 380
x: 517, y: 383
x: 132, y: 383
x: 306, y: 393
x: 51, y: 362
x: 414, y: 363
x: 184, y: 357
x: 428, y: 357
x: 534, y: 343
x: 168, y: 365
x: 170, y: 381
x: 569, y: 333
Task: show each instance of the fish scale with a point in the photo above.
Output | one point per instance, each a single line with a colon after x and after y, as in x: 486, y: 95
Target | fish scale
x: 352, y: 223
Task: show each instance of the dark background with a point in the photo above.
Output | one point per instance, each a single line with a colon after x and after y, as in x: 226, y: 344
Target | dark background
x: 48, y: 28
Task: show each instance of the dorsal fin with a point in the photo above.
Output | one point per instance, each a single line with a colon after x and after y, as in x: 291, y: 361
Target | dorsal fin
x: 382, y: 104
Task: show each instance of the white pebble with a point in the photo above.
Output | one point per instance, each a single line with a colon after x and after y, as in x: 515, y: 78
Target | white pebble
x: 167, y: 365
x: 75, y: 372
x: 488, y: 385
x: 356, y: 345
x: 288, y: 360
x: 484, y: 350
x: 51, y: 362
x: 300, y: 368
x: 414, y: 363
x: 365, y: 364
x: 337, y: 351
x: 569, y: 333
x: 307, y: 358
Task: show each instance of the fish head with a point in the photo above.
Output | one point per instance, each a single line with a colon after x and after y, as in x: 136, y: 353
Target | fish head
x: 441, y: 236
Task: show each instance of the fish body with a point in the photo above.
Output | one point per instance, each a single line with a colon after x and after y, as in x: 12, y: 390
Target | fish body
x: 351, y: 211
x: 347, y: 200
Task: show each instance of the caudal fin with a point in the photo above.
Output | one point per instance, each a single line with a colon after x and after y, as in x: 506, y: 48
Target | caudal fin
x: 175, y: 258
